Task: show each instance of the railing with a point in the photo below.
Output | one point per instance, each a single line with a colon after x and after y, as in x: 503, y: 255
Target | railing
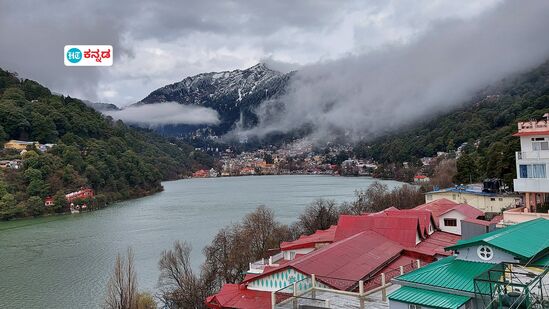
x: 294, y: 292
x: 529, y: 126
x: 532, y: 155
x: 257, y: 267
x: 304, y: 292
x: 379, y: 280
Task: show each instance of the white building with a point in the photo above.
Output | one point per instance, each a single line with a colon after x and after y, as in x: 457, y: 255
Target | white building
x: 532, y: 159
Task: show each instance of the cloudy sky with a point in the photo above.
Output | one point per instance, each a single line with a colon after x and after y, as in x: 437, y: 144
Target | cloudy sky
x: 161, y: 42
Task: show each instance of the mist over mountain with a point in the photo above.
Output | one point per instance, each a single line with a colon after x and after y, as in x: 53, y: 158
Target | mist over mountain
x: 370, y: 94
x: 101, y: 107
x: 366, y: 95
x: 232, y: 95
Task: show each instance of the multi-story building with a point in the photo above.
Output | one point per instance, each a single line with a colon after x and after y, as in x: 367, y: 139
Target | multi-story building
x: 476, y: 197
x: 532, y: 159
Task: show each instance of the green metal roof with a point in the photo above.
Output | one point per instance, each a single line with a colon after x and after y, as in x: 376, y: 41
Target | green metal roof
x: 543, y: 262
x: 428, y: 298
x: 524, y: 240
x: 449, y: 273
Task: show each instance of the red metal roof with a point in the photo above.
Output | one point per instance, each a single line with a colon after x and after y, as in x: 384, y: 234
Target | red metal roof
x: 479, y: 222
x: 469, y: 211
x: 362, y: 246
x: 403, y: 230
x: 310, y: 241
x: 425, y: 217
x: 437, y: 207
x: 442, y: 206
x: 347, y: 260
x: 435, y: 244
x: 238, y: 296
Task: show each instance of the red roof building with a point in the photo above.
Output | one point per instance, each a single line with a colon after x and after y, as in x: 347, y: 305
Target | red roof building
x: 359, y: 248
x: 421, y: 179
x: 316, y: 240
x: 437, y: 207
x: 201, y: 174
x: 82, y: 194
x: 448, y: 214
x: 48, y: 201
x: 403, y: 230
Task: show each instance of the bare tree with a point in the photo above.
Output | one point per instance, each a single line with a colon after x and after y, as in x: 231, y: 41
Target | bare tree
x: 407, y: 197
x: 262, y: 232
x: 319, y: 215
x: 145, y: 301
x: 235, y: 246
x: 445, y: 172
x: 179, y: 286
x: 378, y: 197
x: 227, y: 255
x: 122, y: 286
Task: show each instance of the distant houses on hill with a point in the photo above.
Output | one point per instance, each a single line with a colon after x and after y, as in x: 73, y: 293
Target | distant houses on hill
x: 75, y: 199
x: 25, y: 145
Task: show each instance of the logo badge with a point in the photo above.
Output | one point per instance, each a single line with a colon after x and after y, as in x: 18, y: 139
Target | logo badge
x: 88, y: 55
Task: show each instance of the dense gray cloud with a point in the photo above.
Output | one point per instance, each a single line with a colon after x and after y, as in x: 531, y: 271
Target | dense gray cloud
x: 160, y: 42
x: 153, y: 115
x: 368, y: 94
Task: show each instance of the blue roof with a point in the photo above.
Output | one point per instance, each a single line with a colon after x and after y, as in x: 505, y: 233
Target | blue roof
x: 468, y: 191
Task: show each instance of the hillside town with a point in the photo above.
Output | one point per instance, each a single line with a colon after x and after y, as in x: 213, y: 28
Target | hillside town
x: 303, y: 158
x: 296, y: 158
x: 465, y: 247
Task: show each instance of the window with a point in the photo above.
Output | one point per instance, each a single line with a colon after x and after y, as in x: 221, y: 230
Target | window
x: 492, y: 199
x: 539, y: 143
x: 532, y: 171
x: 429, y: 197
x: 500, y: 199
x: 414, y: 307
x: 485, y: 253
x: 453, y: 196
x: 450, y: 222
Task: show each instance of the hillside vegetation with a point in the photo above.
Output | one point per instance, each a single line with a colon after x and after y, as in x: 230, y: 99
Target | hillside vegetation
x: 91, y: 150
x: 486, y: 124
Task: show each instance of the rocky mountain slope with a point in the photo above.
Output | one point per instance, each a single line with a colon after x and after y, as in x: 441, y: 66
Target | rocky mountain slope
x: 233, y: 94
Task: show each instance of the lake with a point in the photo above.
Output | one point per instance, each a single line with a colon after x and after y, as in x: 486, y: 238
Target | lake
x: 65, y: 261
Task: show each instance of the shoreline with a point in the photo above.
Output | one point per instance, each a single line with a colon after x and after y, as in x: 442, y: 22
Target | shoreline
x: 161, y: 189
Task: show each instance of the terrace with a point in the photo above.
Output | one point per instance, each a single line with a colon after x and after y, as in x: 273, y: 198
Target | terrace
x: 312, y: 292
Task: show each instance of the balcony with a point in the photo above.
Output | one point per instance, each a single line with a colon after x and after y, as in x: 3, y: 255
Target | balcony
x: 257, y: 267
x: 519, y: 215
x: 540, y: 185
x: 541, y: 155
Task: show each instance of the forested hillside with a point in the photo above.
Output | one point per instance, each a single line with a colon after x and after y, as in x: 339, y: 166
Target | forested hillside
x: 486, y: 123
x: 90, y: 150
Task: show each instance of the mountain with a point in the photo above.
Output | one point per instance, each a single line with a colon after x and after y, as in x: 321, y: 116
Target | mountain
x: 91, y: 150
x: 485, y: 123
x: 233, y: 94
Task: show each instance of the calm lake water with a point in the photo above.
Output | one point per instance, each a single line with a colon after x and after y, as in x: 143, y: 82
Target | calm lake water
x: 65, y: 261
